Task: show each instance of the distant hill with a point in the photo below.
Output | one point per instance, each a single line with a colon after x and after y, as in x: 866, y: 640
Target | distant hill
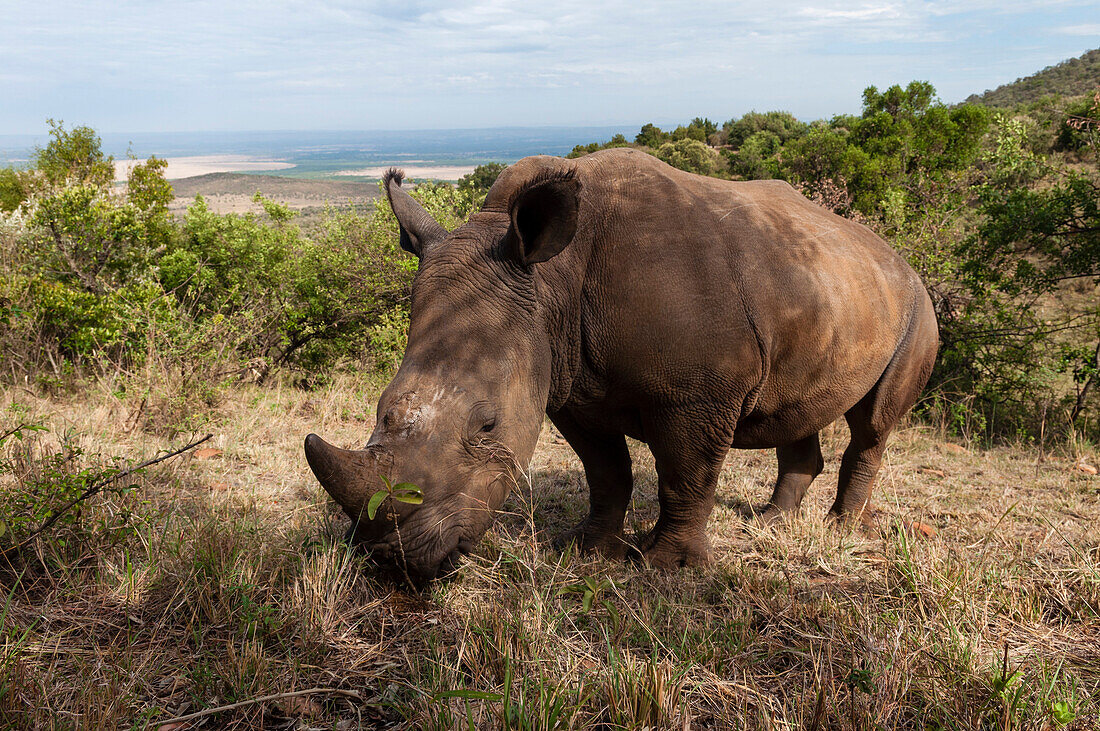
x: 232, y: 192
x: 1073, y: 77
x: 273, y: 186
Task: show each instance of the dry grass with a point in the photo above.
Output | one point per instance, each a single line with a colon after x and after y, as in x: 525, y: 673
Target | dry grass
x: 231, y: 584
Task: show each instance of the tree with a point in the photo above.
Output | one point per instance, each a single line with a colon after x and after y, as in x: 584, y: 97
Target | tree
x: 781, y: 124
x: 482, y: 178
x: 699, y: 129
x: 690, y: 155
x: 756, y: 158
x: 651, y: 136
x: 13, y: 189
x: 74, y: 156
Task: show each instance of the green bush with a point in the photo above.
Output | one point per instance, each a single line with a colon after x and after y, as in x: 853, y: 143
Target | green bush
x: 92, y: 279
x: 13, y: 189
x: 482, y: 178
x: 40, y: 482
x: 690, y: 155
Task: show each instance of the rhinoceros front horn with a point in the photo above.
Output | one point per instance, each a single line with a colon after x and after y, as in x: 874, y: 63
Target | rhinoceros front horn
x: 349, y: 476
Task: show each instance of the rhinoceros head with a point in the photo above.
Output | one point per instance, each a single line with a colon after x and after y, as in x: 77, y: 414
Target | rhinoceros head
x: 462, y: 415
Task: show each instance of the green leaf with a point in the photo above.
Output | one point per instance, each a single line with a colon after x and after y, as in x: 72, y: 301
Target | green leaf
x: 406, y: 492
x: 470, y: 695
x: 586, y: 603
x: 375, y: 500
x: 1063, y: 713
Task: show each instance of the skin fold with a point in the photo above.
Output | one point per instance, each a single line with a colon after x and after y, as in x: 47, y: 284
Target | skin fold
x: 623, y: 297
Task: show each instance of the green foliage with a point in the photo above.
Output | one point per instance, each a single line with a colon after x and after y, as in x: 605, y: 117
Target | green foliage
x: 651, y: 136
x: 13, y: 189
x: 37, y: 481
x: 591, y: 590
x: 1079, y: 128
x: 690, y: 155
x: 294, y: 300
x: 92, y: 239
x: 147, y: 189
x: 581, y: 150
x: 92, y: 277
x: 482, y: 178
x: 781, y: 125
x: 74, y: 156
x: 700, y: 129
x: 402, y: 492
x: 1062, y: 713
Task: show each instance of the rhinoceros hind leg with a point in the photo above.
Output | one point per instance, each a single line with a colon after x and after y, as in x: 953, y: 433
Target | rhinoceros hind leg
x: 607, y: 469
x: 875, y: 416
x: 858, y: 468
x: 799, y: 464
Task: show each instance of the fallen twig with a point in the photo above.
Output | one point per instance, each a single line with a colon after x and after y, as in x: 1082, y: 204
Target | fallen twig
x: 96, y: 487
x: 253, y: 701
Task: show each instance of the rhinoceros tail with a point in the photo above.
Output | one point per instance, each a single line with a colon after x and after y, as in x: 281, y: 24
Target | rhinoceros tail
x: 393, y: 174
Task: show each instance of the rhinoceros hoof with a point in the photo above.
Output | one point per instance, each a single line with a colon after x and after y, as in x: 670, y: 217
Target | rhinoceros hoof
x: 590, y: 539
x: 865, y: 521
x: 668, y: 552
x: 771, y: 514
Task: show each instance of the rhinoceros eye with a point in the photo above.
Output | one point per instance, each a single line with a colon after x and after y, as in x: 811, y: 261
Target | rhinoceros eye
x: 483, y: 420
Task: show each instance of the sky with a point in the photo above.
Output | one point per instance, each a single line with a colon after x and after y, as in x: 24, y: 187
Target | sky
x: 151, y: 66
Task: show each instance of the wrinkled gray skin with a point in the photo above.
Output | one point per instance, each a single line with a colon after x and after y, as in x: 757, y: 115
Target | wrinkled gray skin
x: 623, y: 297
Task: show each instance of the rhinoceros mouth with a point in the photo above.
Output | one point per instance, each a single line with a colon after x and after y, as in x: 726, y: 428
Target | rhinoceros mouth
x: 398, y: 555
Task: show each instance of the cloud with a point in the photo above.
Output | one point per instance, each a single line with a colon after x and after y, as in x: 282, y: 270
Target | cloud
x: 1084, y: 29
x: 148, y: 64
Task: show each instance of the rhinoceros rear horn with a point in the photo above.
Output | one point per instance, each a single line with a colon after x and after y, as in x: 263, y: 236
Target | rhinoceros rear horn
x: 349, y: 476
x: 419, y: 231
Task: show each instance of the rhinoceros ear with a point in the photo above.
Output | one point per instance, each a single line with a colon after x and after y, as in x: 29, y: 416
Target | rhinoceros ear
x: 419, y: 231
x: 544, y: 219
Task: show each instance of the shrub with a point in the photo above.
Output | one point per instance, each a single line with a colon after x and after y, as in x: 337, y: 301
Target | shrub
x: 97, y: 280
x: 40, y: 482
x: 482, y: 178
x: 690, y: 155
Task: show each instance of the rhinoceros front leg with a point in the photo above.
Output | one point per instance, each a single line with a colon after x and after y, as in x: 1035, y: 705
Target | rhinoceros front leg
x: 689, y: 452
x: 610, y: 480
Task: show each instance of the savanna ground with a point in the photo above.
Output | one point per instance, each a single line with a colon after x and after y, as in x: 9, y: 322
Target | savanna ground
x: 216, y: 582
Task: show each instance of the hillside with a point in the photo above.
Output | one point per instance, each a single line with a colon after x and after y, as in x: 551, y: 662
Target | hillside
x: 232, y: 192
x: 1072, y: 77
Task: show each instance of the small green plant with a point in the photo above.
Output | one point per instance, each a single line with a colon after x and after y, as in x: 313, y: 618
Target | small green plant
x: 1008, y: 691
x: 590, y: 590
x: 402, y: 492
x: 1062, y: 712
x: 538, y: 703
x: 43, y: 481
